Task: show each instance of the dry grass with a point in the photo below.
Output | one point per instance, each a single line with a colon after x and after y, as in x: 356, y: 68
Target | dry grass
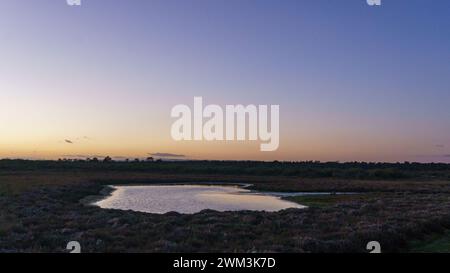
x: 41, y: 212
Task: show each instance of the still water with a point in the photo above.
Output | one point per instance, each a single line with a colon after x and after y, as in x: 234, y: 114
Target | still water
x: 191, y: 199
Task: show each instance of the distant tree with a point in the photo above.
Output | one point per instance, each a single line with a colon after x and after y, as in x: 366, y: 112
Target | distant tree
x: 149, y: 159
x: 136, y: 160
x: 107, y: 159
x: 95, y: 159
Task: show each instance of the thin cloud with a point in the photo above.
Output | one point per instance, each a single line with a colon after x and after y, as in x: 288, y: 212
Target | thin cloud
x: 435, y: 155
x: 82, y: 156
x: 120, y: 157
x: 77, y: 156
x: 68, y: 141
x: 167, y: 155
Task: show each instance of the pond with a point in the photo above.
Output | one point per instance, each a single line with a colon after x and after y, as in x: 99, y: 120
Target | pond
x: 192, y: 198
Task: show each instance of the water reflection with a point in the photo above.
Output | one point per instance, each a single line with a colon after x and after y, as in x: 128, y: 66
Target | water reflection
x: 191, y: 199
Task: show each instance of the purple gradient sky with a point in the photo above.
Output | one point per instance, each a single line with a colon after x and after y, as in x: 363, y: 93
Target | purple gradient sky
x: 353, y: 82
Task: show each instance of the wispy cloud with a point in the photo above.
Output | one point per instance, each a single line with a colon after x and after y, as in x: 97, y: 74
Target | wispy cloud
x: 77, y: 140
x: 167, y: 155
x: 80, y: 156
x: 84, y: 138
x: 434, y: 155
x: 119, y: 157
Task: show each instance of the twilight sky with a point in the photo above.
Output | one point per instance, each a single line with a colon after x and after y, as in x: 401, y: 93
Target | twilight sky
x: 353, y: 82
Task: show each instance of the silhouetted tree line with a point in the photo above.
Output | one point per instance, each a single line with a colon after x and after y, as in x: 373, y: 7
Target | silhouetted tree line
x: 307, y: 169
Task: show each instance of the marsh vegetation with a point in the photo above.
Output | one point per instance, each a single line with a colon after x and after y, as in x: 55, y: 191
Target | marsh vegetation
x: 41, y: 210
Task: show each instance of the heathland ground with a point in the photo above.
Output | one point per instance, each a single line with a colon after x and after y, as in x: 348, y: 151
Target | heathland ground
x: 406, y: 207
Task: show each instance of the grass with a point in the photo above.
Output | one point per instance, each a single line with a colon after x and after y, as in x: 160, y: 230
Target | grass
x: 323, y: 201
x: 433, y: 244
x: 41, y: 212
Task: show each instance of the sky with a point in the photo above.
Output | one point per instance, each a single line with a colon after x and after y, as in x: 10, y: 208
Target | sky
x: 354, y: 82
